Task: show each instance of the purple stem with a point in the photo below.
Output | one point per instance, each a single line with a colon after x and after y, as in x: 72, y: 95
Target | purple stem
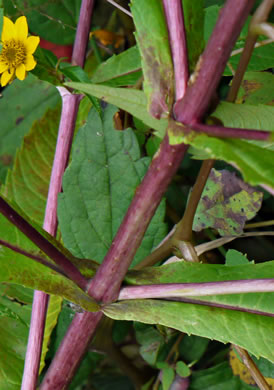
x: 197, y: 289
x: 65, y: 135
x: 38, y: 239
x: 230, y: 132
x: 30, y: 255
x: 41, y: 299
x: 106, y: 283
x: 204, y: 82
x: 176, y: 30
x: 180, y: 383
x: 82, y: 33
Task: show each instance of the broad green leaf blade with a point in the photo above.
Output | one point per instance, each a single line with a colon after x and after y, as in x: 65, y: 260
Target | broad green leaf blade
x: 194, y: 27
x: 54, y: 309
x: 153, y: 42
x: 119, y: 70
x: 27, y: 183
x: 257, y: 88
x: 14, y: 328
x: 250, y: 331
x: 22, y: 103
x: 185, y: 272
x: 247, y: 116
x: 130, y: 100
x: 98, y: 187
x: 226, y: 204
x: 55, y: 21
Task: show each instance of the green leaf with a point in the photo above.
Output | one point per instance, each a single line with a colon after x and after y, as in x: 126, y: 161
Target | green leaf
x: 234, y: 257
x: 22, y: 103
x: 53, y: 21
x: 250, y: 331
x: 185, y: 272
x: 1, y: 20
x: 182, y: 369
x: 153, y: 42
x: 119, y: 70
x: 98, y: 187
x: 168, y: 375
x: 257, y: 88
x: 226, y: 204
x: 54, y: 308
x: 130, y: 100
x: 219, y: 377
x: 265, y: 366
x: 260, y: 117
x: 194, y: 27
x: 14, y: 328
x: 192, y: 348
x: 150, y: 341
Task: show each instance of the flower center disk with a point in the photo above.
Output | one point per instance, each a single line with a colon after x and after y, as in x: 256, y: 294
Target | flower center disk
x: 13, y: 53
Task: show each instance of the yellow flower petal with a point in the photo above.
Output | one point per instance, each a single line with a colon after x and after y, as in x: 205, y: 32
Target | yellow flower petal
x: 30, y: 62
x: 21, y: 28
x: 6, y: 77
x: 32, y: 43
x: 21, y: 72
x: 8, y: 31
x: 3, y: 67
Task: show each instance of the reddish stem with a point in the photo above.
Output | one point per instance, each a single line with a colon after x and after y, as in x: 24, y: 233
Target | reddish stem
x: 177, y: 38
x: 82, y: 33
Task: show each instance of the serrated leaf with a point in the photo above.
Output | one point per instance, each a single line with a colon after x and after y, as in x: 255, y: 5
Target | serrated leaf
x: 119, y: 70
x: 22, y: 103
x: 185, y: 272
x: 153, y: 42
x: 257, y: 88
x: 250, y: 331
x: 98, y: 187
x: 226, y: 204
x: 130, y: 100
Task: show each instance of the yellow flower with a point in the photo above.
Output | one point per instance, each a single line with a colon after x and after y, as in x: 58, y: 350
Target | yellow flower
x: 16, y: 57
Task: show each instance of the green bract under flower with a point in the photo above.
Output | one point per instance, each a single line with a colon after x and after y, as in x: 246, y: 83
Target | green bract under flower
x: 16, y: 57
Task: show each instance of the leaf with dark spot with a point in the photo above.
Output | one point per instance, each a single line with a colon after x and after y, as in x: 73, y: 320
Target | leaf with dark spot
x: 226, y: 204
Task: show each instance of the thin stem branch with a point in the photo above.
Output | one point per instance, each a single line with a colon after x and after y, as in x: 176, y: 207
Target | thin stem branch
x: 159, y: 254
x: 184, y: 227
x: 257, y: 44
x: 177, y: 38
x: 120, y: 7
x: 259, y: 224
x: 252, y: 367
x: 30, y: 255
x: 172, y: 290
x: 259, y: 16
x: 264, y: 28
x: 231, y: 132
